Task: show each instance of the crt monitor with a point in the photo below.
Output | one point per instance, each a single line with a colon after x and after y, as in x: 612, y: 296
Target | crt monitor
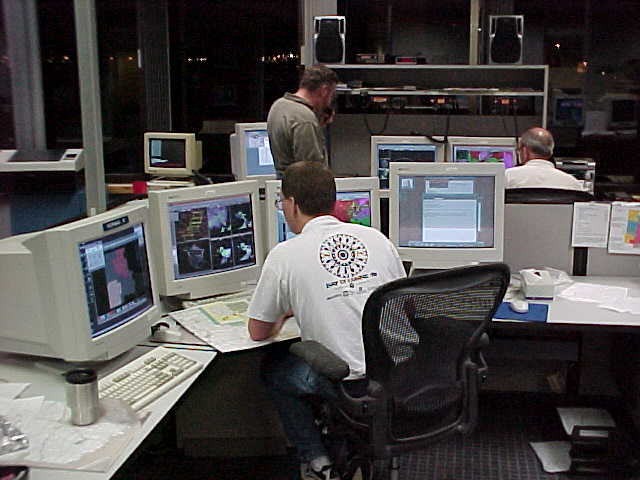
x: 357, y: 201
x: 250, y: 152
x: 387, y: 149
x: 568, y: 110
x: 483, y: 150
x: 207, y: 240
x: 444, y: 215
x: 622, y: 110
x: 172, y: 154
x: 80, y: 292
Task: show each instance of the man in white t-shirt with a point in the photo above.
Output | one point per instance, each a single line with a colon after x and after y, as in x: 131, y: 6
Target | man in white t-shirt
x: 323, y: 276
x: 537, y: 171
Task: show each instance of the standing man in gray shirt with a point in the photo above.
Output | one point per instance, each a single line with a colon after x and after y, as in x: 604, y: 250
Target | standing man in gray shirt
x: 295, y: 132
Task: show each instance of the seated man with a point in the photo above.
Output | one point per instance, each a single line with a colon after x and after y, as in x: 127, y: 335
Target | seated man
x: 537, y: 171
x: 323, y: 276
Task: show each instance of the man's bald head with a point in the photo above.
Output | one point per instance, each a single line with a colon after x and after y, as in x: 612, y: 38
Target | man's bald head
x: 538, y: 143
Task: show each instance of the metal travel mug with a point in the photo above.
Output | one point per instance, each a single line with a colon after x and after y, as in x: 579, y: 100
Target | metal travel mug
x: 82, y: 395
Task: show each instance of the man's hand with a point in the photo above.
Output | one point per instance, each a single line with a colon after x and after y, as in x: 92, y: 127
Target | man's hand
x: 259, y: 330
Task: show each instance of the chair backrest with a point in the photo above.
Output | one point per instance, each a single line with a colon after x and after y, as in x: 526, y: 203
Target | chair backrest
x: 546, y: 195
x: 419, y: 332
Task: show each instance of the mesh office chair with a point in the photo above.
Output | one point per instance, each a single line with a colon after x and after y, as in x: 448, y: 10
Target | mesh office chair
x: 422, y: 337
x: 546, y: 195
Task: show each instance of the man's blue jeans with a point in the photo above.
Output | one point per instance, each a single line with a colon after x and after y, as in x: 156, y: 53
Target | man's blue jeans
x: 289, y: 379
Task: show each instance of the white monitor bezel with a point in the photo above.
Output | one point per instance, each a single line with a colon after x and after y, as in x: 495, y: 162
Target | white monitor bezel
x: 481, y: 142
x: 206, y: 285
x: 436, y: 258
x: 66, y: 297
x: 192, y: 152
x: 239, y: 152
x: 343, y: 184
x: 401, y: 140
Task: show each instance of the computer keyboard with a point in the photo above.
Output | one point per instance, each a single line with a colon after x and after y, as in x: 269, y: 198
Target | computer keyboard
x: 148, y: 377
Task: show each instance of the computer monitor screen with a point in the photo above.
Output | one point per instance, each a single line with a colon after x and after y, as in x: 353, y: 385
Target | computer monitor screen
x: 623, y: 111
x: 79, y: 292
x: 250, y: 152
x: 116, y: 277
x: 208, y: 239
x: 357, y: 201
x: 568, y: 111
x: 388, y: 149
x: 172, y: 154
x: 446, y: 215
x: 211, y: 236
x: 483, y: 150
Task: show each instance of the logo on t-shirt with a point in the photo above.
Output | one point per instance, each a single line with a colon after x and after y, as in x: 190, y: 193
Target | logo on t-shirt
x: 343, y: 255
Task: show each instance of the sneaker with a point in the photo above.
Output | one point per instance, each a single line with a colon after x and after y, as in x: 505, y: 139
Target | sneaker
x: 327, y: 472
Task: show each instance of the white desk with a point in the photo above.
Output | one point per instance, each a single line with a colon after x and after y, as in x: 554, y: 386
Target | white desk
x: 13, y: 368
x: 562, y: 311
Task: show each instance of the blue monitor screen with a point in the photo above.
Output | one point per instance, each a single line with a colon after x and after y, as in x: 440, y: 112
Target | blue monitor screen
x: 258, y: 153
x: 402, y: 153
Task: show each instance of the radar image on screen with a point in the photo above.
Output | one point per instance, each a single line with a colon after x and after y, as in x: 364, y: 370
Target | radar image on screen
x: 482, y: 154
x: 353, y: 207
x: 402, y: 153
x: 211, y: 236
x: 117, y: 278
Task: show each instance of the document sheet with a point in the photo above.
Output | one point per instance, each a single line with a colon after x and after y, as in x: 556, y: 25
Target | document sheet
x: 590, y: 224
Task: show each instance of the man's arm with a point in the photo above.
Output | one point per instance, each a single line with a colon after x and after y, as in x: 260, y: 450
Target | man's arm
x: 259, y: 330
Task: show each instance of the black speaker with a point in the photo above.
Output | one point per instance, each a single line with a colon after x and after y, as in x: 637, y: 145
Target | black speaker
x: 506, y: 33
x: 328, y: 39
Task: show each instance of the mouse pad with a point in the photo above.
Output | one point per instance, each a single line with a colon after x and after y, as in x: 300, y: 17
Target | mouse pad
x: 537, y: 313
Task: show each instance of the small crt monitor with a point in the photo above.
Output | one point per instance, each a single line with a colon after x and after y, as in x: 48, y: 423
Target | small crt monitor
x: 207, y: 240
x: 568, y: 110
x: 622, y: 110
x: 250, y: 152
x: 447, y: 215
x: 388, y: 149
x: 172, y: 154
x: 482, y: 150
x: 357, y: 201
x: 79, y: 292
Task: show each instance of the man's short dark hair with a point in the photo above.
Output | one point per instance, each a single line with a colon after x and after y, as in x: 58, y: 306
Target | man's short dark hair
x: 317, y: 75
x: 312, y: 185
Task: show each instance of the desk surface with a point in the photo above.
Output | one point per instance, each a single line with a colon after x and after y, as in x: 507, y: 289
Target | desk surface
x: 13, y: 368
x: 567, y: 312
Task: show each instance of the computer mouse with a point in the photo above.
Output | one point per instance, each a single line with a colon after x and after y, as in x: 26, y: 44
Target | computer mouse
x: 519, y: 306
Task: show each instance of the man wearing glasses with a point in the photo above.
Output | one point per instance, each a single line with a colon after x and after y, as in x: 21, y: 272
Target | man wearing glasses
x: 535, y: 149
x: 323, y: 276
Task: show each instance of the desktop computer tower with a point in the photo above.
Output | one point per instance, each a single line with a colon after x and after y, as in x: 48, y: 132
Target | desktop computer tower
x: 328, y: 39
x: 506, y: 35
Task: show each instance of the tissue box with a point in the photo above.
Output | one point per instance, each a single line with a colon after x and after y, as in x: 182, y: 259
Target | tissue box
x: 537, y: 284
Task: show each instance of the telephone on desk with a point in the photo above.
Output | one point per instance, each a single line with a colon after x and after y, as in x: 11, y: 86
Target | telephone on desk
x: 537, y: 284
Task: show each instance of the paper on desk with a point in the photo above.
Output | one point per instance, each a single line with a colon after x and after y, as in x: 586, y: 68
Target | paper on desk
x: 594, y: 293
x: 590, y: 224
x: 554, y: 456
x: 624, y: 233
x: 592, y: 417
x: 627, y: 304
x: 12, y: 390
x: 55, y: 443
x: 226, y: 333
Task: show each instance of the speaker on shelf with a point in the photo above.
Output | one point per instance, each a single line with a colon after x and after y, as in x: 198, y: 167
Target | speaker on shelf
x: 506, y: 33
x: 328, y: 39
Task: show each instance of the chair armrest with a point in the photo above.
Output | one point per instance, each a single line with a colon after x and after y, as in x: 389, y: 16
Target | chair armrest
x: 321, y: 359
